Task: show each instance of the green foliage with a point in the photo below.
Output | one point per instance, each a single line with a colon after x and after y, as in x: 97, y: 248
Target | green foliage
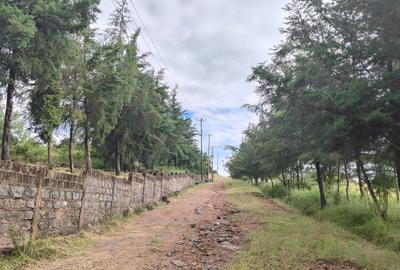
x: 329, y: 96
x: 119, y: 112
x: 356, y: 215
x: 278, y: 191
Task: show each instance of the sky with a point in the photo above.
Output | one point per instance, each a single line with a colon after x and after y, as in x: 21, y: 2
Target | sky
x: 208, y: 48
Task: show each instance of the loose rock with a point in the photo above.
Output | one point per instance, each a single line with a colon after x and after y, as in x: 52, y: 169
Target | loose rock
x: 178, y: 263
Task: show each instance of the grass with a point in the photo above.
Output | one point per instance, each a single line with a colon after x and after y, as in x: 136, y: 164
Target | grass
x: 291, y: 240
x: 155, y: 242
x: 57, y: 247
x: 356, y: 215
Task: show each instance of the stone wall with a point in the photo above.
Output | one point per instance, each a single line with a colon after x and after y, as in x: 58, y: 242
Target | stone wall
x: 35, y: 201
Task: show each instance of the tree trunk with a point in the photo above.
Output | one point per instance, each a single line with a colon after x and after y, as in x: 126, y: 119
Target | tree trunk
x: 298, y: 177
x: 49, y: 154
x: 117, y: 158
x: 6, y: 139
x: 320, y: 185
x: 360, y: 184
x: 301, y: 176
x: 337, y: 199
x: 382, y: 212
x: 286, y: 181
x: 397, y: 165
x: 347, y: 181
x: 71, y: 146
x: 88, y: 159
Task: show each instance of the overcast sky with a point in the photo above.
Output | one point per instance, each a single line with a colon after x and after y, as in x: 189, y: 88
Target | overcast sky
x: 209, y: 47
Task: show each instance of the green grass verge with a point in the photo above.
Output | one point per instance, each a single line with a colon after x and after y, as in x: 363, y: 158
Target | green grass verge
x: 290, y: 240
x: 356, y: 215
x: 57, y: 247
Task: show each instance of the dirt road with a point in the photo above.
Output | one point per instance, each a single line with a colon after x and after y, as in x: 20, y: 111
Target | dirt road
x: 194, y: 231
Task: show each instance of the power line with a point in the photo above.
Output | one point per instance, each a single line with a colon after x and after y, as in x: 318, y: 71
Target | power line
x: 151, y: 40
x: 185, y: 100
x: 201, y: 148
x: 160, y: 63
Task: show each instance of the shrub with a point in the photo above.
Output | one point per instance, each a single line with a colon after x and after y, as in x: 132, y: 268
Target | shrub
x: 278, y: 191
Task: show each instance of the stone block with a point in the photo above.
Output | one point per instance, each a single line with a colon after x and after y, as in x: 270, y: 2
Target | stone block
x: 62, y: 194
x: 28, y: 215
x: 55, y: 195
x: 76, y: 196
x: 31, y: 204
x: 6, y: 203
x: 17, y: 191
x: 68, y: 195
x: 4, y: 228
x: 51, y: 215
x: 3, y: 190
x: 60, y: 204
x: 49, y: 204
x: 16, y: 215
x: 15, y: 204
x: 2, y: 215
x: 45, y: 193
x: 31, y: 192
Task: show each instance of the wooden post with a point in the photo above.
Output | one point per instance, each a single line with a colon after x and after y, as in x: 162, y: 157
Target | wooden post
x: 38, y: 200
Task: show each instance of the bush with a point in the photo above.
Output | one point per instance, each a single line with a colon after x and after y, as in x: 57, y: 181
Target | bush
x: 349, y: 214
x: 356, y: 215
x: 306, y: 201
x: 278, y: 191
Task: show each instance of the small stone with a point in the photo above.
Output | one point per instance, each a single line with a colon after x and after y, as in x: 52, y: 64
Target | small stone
x: 17, y: 191
x: 211, y: 267
x: 235, y: 211
x: 178, y: 263
x: 228, y: 245
x: 198, y: 210
x: 192, y: 225
x: 4, y: 228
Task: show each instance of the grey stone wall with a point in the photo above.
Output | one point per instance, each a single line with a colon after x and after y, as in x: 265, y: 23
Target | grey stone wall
x: 35, y: 201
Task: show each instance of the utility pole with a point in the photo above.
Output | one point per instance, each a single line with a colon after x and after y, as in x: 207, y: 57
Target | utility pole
x: 217, y: 162
x: 201, y: 148
x: 208, y: 156
x: 212, y: 164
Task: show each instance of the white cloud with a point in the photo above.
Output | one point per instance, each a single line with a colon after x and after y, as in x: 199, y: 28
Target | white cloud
x: 210, y: 46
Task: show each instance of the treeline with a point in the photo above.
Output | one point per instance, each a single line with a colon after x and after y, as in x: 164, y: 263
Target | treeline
x: 330, y: 100
x: 109, y: 103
